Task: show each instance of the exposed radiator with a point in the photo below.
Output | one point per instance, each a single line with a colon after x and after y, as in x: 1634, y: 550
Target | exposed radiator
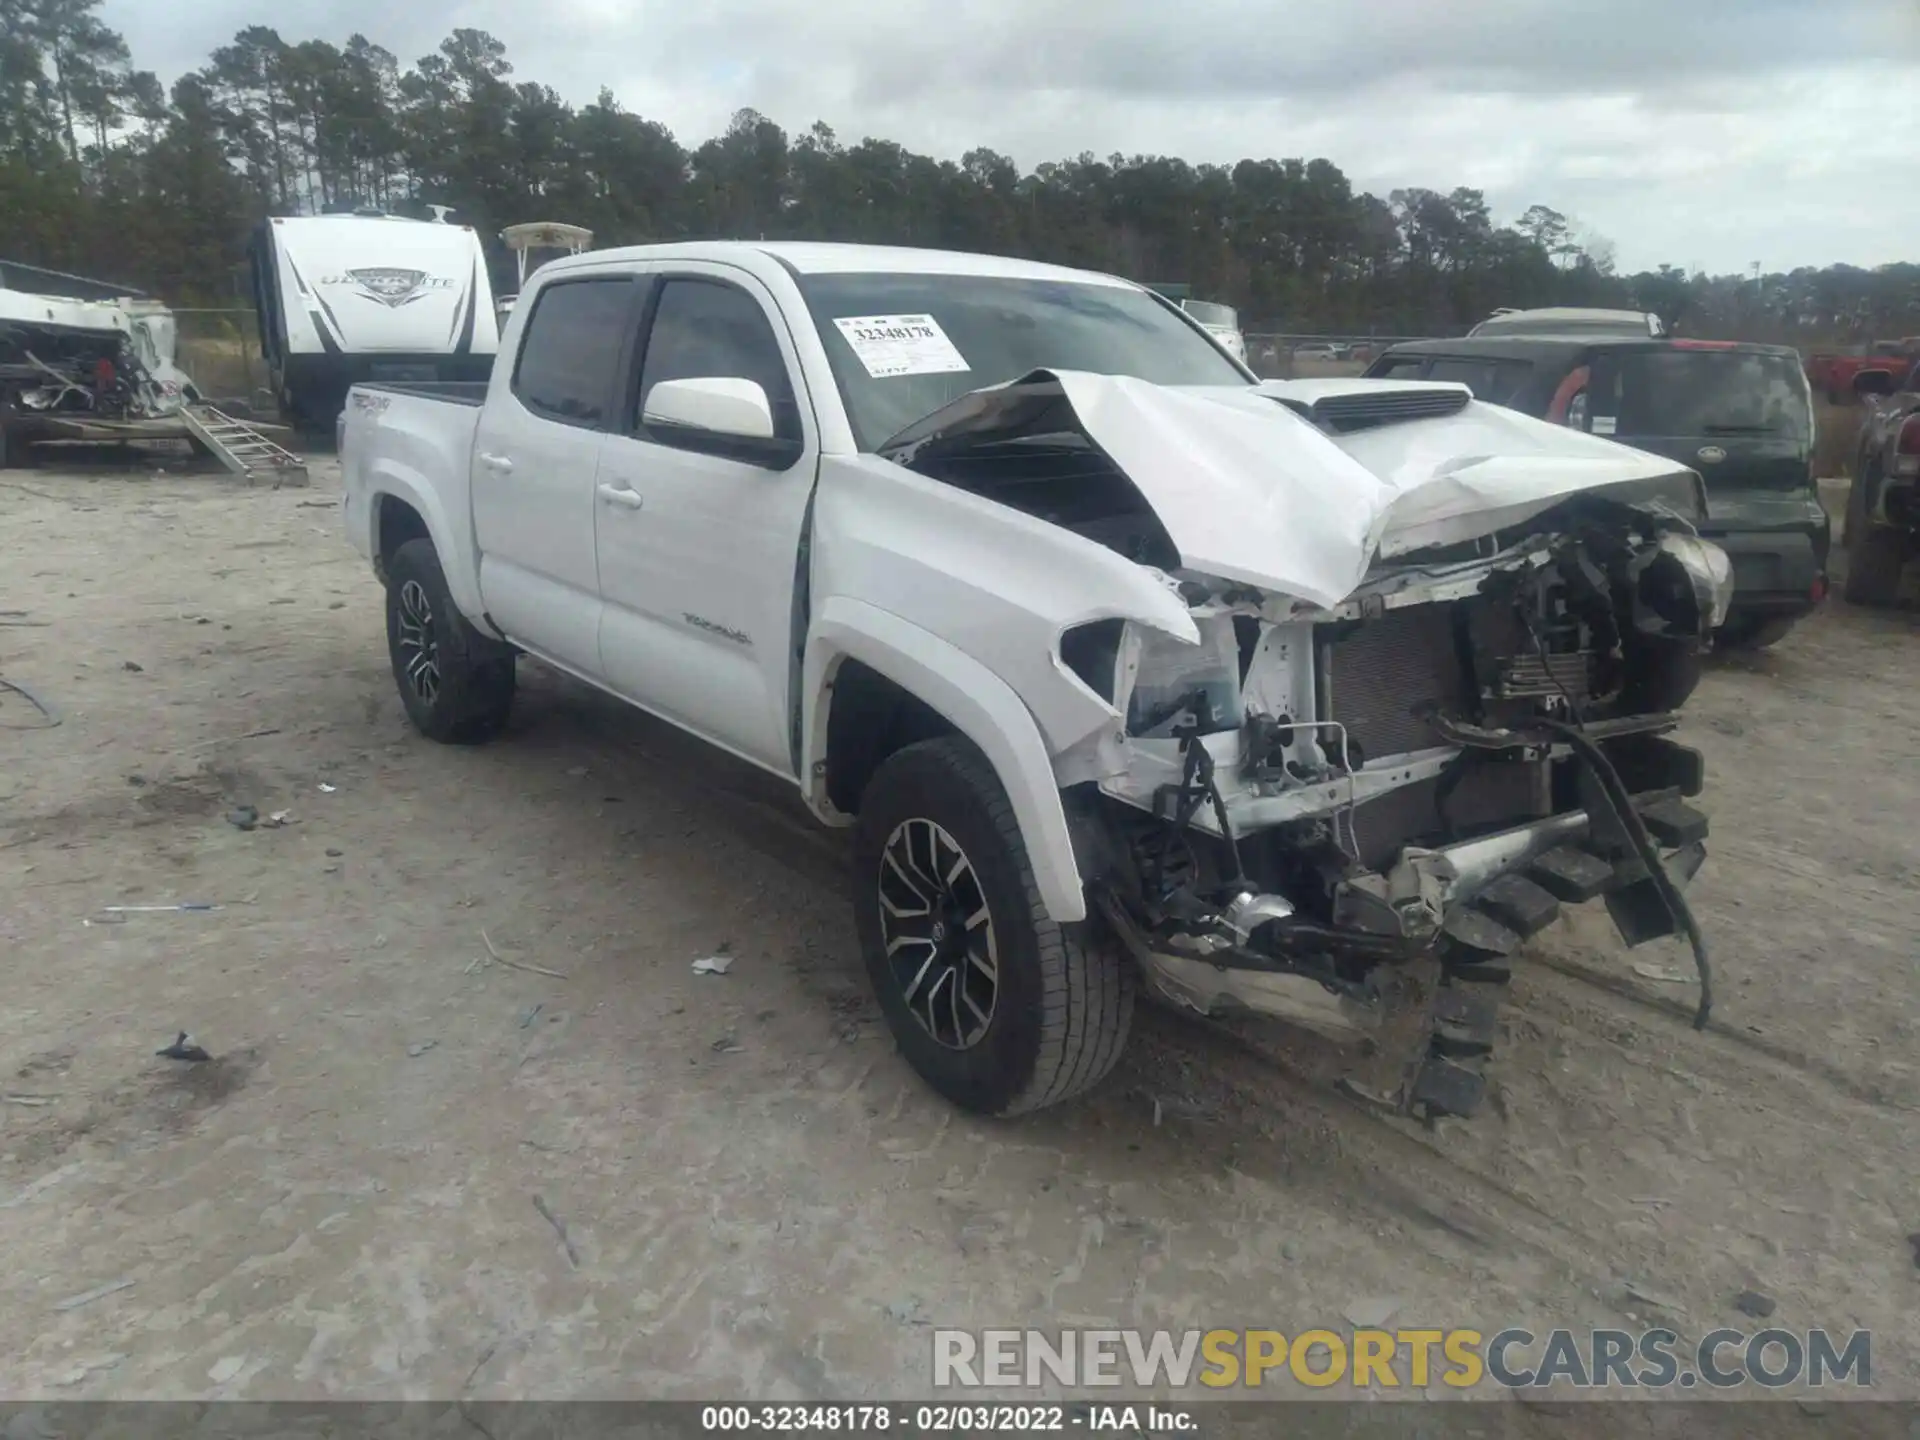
x: 1385, y: 667
x: 1522, y: 676
x: 1487, y: 797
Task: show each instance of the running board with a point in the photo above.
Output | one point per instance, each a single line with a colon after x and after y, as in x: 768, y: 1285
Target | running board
x: 243, y: 449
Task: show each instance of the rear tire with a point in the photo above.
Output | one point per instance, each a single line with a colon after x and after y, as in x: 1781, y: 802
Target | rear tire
x: 1876, y: 554
x: 457, y: 684
x: 1753, y: 632
x: 16, y: 452
x: 1008, y: 1011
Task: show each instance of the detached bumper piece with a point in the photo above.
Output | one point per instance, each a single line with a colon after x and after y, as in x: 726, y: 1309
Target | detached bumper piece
x: 1406, y: 967
x: 1490, y: 923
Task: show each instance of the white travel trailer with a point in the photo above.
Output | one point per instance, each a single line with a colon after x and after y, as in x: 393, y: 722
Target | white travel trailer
x: 368, y: 296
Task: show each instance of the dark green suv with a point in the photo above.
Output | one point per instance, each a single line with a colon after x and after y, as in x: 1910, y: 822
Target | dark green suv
x: 1740, y: 415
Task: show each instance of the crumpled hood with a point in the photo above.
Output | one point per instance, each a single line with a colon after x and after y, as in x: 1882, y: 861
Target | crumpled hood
x: 1250, y: 490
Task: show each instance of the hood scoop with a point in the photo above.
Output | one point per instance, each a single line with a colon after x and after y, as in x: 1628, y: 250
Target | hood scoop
x: 1344, y: 414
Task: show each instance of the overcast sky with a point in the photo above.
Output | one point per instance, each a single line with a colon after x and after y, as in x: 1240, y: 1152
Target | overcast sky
x: 1706, y: 133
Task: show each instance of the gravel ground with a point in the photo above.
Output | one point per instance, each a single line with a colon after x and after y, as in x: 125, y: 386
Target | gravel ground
x: 475, y: 1127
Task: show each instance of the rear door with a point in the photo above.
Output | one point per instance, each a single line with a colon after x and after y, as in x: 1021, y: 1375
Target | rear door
x: 536, y: 462
x: 697, y: 547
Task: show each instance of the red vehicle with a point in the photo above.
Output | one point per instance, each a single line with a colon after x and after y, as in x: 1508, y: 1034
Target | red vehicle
x: 1832, y: 372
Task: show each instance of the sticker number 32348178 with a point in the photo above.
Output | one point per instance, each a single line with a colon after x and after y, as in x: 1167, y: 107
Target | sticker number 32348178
x: 900, y: 345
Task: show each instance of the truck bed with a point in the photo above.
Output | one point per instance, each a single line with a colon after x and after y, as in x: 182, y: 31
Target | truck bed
x: 419, y: 436
x: 458, y: 392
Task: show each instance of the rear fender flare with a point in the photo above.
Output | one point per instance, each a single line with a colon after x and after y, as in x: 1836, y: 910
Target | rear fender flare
x: 390, y: 480
x: 975, y: 701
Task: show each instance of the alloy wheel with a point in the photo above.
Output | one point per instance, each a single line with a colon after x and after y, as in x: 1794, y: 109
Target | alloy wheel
x: 419, y: 643
x: 938, y: 933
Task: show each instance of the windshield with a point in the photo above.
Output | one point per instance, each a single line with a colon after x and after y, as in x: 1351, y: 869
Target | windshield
x: 894, y: 367
x: 1208, y: 313
x: 1711, y: 392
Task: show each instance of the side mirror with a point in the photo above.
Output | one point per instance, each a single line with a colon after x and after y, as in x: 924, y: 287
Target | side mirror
x: 720, y: 405
x: 1873, y: 382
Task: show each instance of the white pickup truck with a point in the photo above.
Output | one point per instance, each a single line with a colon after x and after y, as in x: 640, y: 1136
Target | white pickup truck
x: 1307, y: 699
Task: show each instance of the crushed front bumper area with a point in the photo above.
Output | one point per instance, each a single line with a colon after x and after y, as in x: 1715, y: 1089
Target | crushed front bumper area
x: 1407, y: 971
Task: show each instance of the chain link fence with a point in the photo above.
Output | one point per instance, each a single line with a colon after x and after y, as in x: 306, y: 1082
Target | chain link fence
x: 220, y: 349
x: 1307, y: 357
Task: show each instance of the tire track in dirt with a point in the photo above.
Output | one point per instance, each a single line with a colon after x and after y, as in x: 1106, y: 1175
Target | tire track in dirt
x: 1719, y: 1036
x: 1374, y: 1159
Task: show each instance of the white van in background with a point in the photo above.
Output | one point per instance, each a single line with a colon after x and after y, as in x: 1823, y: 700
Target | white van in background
x: 1221, y: 322
x: 368, y: 296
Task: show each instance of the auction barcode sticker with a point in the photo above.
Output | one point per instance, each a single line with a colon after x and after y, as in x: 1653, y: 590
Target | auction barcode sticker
x: 900, y: 345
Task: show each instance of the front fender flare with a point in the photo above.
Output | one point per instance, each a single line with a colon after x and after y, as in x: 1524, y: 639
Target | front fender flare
x: 978, y: 703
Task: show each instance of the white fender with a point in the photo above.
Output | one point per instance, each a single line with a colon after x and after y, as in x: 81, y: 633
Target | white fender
x: 980, y: 706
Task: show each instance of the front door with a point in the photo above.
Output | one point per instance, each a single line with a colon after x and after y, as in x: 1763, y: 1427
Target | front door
x: 697, y: 550
x: 535, y: 463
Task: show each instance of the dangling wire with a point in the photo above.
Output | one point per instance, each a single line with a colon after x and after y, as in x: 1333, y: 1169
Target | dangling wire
x: 53, y: 716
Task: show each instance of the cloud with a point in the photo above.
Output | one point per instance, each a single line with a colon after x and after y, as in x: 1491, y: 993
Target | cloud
x: 1701, y: 132
x: 1219, y: 50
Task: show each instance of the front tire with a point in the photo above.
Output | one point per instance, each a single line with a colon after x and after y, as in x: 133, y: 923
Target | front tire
x: 998, y: 1007
x: 1876, y: 554
x: 457, y: 685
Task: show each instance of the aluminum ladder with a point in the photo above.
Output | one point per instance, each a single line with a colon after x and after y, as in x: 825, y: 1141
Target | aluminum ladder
x: 243, y: 449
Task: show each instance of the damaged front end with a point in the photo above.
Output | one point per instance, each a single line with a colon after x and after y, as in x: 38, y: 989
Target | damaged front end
x: 1351, y: 818
x: 1441, y: 648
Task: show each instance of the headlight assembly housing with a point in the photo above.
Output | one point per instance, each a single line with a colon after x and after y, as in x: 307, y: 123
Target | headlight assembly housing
x: 1710, y: 571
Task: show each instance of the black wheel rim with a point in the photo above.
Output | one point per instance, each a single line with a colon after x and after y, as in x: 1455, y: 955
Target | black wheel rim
x: 938, y: 933
x: 419, y: 647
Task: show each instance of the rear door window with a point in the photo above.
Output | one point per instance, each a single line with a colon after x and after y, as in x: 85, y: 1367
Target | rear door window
x: 570, y: 356
x: 1494, y: 381
x: 1397, y: 367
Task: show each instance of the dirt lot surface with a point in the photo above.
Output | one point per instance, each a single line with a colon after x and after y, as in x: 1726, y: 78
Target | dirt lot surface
x: 416, y: 1168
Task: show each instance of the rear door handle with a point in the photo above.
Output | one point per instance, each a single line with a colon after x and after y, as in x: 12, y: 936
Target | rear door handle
x: 616, y: 495
x: 499, y: 464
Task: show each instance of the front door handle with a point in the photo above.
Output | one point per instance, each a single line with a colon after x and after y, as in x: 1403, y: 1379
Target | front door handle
x: 499, y: 464
x: 616, y: 495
